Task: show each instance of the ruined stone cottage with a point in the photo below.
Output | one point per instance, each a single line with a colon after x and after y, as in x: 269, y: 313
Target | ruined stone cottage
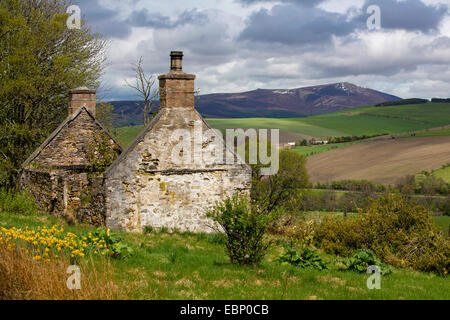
x: 176, y: 169
x: 171, y: 174
x: 65, y: 173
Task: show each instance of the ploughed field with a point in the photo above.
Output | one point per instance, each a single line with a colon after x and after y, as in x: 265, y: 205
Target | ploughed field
x: 381, y: 161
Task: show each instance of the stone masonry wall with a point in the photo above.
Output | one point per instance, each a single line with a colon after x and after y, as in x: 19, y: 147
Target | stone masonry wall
x: 175, y: 201
x: 70, y: 194
x: 147, y: 187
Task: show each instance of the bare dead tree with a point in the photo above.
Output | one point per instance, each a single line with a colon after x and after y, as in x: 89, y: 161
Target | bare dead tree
x: 144, y: 85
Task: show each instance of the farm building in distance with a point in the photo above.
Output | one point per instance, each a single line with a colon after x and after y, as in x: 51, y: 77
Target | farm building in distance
x: 173, y: 172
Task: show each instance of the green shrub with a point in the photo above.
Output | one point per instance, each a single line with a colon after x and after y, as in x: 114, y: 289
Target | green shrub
x: 363, y: 259
x: 17, y: 202
x: 118, y: 248
x: 244, y: 229
x: 399, y: 233
x: 274, y: 191
x: 303, y: 258
x: 339, y: 236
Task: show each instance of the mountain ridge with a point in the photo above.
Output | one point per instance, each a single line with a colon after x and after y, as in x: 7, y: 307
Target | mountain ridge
x: 269, y: 103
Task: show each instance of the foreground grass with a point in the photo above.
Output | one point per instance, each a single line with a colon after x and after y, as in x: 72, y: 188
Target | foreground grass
x: 194, y: 266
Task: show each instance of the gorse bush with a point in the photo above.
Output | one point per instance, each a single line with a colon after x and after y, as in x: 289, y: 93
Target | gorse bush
x: 327, y: 201
x: 398, y: 232
x: 17, y: 202
x: 244, y: 228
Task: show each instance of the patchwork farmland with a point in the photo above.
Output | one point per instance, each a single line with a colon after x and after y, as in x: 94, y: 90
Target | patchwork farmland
x: 353, y: 122
x: 383, y: 160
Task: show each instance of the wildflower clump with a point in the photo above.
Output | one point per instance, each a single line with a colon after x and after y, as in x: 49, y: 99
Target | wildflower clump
x: 46, y: 243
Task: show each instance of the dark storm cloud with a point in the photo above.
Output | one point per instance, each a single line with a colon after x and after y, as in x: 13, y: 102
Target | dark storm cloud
x: 412, y: 15
x: 296, y: 25
x: 291, y: 24
x: 144, y: 18
x: 103, y: 20
x: 109, y: 23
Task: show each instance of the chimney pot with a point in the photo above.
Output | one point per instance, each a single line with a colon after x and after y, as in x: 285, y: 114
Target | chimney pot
x: 176, y: 61
x: 82, y: 97
x: 176, y: 88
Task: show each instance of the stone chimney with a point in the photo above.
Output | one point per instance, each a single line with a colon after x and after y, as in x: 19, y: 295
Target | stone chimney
x: 80, y: 97
x: 176, y: 88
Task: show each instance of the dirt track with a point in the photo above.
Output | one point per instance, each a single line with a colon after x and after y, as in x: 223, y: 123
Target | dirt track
x: 383, y: 161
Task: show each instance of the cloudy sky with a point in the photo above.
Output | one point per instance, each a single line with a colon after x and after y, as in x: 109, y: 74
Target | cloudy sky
x: 240, y: 45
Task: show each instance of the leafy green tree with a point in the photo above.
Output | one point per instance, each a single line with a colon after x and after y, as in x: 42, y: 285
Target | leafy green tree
x: 40, y: 60
x: 273, y: 191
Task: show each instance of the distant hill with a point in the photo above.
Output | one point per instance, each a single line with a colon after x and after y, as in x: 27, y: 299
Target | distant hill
x: 265, y: 103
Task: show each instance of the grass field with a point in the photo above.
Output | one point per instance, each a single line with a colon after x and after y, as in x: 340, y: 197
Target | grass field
x: 127, y: 134
x: 443, y: 222
x: 313, y: 150
x: 443, y: 173
x: 357, y: 121
x: 194, y: 266
x: 434, y: 133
